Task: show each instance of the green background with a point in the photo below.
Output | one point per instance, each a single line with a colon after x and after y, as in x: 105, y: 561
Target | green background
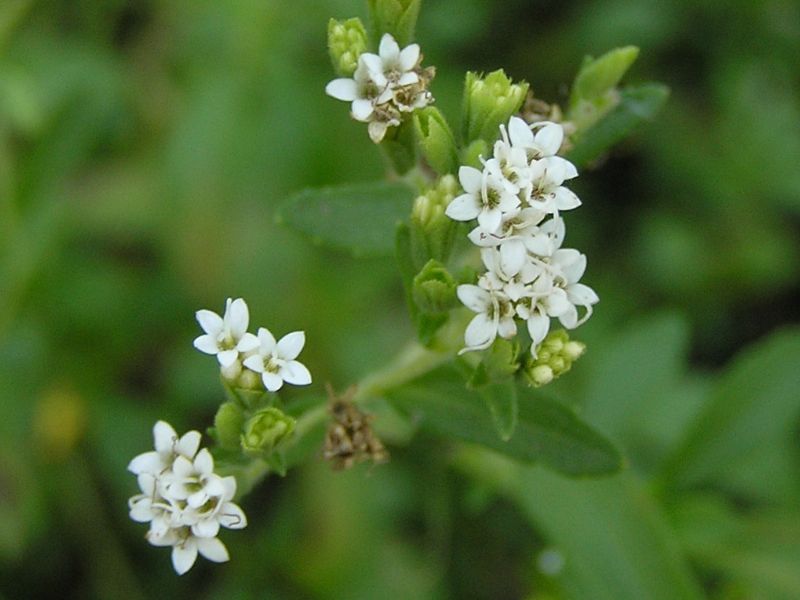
x: 144, y: 148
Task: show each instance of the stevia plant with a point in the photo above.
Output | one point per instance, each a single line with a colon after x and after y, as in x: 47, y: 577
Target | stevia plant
x: 475, y: 216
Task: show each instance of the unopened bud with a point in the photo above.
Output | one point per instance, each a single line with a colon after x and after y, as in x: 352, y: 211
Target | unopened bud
x: 433, y: 232
x: 541, y: 375
x: 434, y: 288
x: 489, y: 102
x: 398, y: 17
x: 573, y: 350
x: 228, y: 424
x: 436, y: 140
x: 265, y: 430
x: 552, y: 358
x: 347, y: 40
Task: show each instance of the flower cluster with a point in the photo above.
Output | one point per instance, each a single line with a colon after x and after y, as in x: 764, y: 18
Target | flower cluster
x: 517, y: 198
x: 236, y: 349
x: 182, y: 498
x: 385, y: 86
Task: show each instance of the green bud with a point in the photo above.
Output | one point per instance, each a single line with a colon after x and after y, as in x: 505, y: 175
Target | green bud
x: 398, y: 17
x: 554, y: 357
x: 540, y: 375
x: 489, y: 102
x: 436, y: 140
x: 432, y: 231
x: 347, y: 40
x: 434, y: 289
x: 265, y: 430
x: 228, y: 425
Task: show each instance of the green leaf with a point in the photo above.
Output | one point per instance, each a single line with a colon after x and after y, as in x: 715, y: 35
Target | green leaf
x: 546, y: 431
x: 360, y: 218
x: 615, y: 542
x: 636, y: 105
x: 597, y: 76
x: 501, y: 398
x: 755, y: 402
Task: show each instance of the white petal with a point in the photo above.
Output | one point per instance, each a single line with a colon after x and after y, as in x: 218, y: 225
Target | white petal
x: 183, y: 556
x: 188, y: 444
x: 361, y: 109
x: 214, y: 486
x: 480, y: 332
x: 141, y: 509
x: 291, y: 344
x: 272, y: 381
x: 485, y: 239
x: 267, y: 341
x: 232, y: 516
x: 182, y: 467
x: 295, y: 373
x: 582, y: 295
x: 512, y: 256
x: 149, y: 462
x: 207, y: 528
x: 565, y: 199
x: 164, y: 437
x: 549, y: 138
x: 471, y: 179
x: 490, y: 219
x: 507, y: 327
x: 254, y: 363
x: 388, y: 49
x: 409, y: 57
x: 519, y: 132
x: 342, y: 89
x: 204, y: 462
x: 571, y: 262
x: 463, y: 208
x: 238, y: 318
x: 570, y: 318
x: 197, y: 499
x: 210, y: 321
x: 248, y: 343
x: 147, y: 483
x: 474, y: 298
x: 373, y: 64
x: 229, y: 483
x: 538, y: 326
x: 227, y: 357
x: 557, y: 303
x: 206, y: 343
x: 407, y: 79
x: 377, y: 130
x: 213, y: 549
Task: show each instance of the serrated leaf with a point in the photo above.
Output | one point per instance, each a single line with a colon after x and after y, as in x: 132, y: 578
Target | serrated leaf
x: 636, y: 105
x: 360, y: 218
x: 547, y: 431
x: 755, y: 401
x: 598, y: 76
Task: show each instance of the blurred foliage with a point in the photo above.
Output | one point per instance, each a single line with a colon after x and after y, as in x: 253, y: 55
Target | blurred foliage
x: 144, y: 149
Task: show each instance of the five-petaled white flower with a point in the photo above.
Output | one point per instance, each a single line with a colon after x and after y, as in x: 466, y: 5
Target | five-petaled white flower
x: 182, y: 498
x: 226, y: 336
x: 276, y: 360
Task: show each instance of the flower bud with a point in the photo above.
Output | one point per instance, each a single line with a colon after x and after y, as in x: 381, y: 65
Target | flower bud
x: 347, y: 40
x: 228, y: 424
x: 436, y: 140
x: 552, y: 358
x: 488, y: 102
x: 433, y: 232
x: 398, y: 17
x: 265, y: 430
x: 434, y: 289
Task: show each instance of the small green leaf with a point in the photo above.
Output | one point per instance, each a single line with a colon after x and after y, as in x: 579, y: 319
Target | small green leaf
x: 361, y: 218
x: 636, y: 105
x: 546, y: 431
x: 597, y: 76
x: 755, y: 402
x: 501, y: 398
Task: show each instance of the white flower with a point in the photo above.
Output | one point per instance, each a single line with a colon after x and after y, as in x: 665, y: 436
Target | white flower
x: 488, y: 197
x: 569, y: 265
x: 546, y: 141
x: 276, y: 360
x: 384, y: 85
x: 182, y: 498
x: 495, y: 316
x: 226, y: 336
x: 548, y: 194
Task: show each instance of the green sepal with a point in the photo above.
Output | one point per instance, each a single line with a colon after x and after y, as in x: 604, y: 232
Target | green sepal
x: 397, y: 17
x: 265, y: 430
x: 436, y: 140
x: 347, y: 40
x: 277, y: 463
x: 471, y: 155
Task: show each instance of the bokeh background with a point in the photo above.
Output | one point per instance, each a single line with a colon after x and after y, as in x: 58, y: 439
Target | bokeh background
x: 144, y: 147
